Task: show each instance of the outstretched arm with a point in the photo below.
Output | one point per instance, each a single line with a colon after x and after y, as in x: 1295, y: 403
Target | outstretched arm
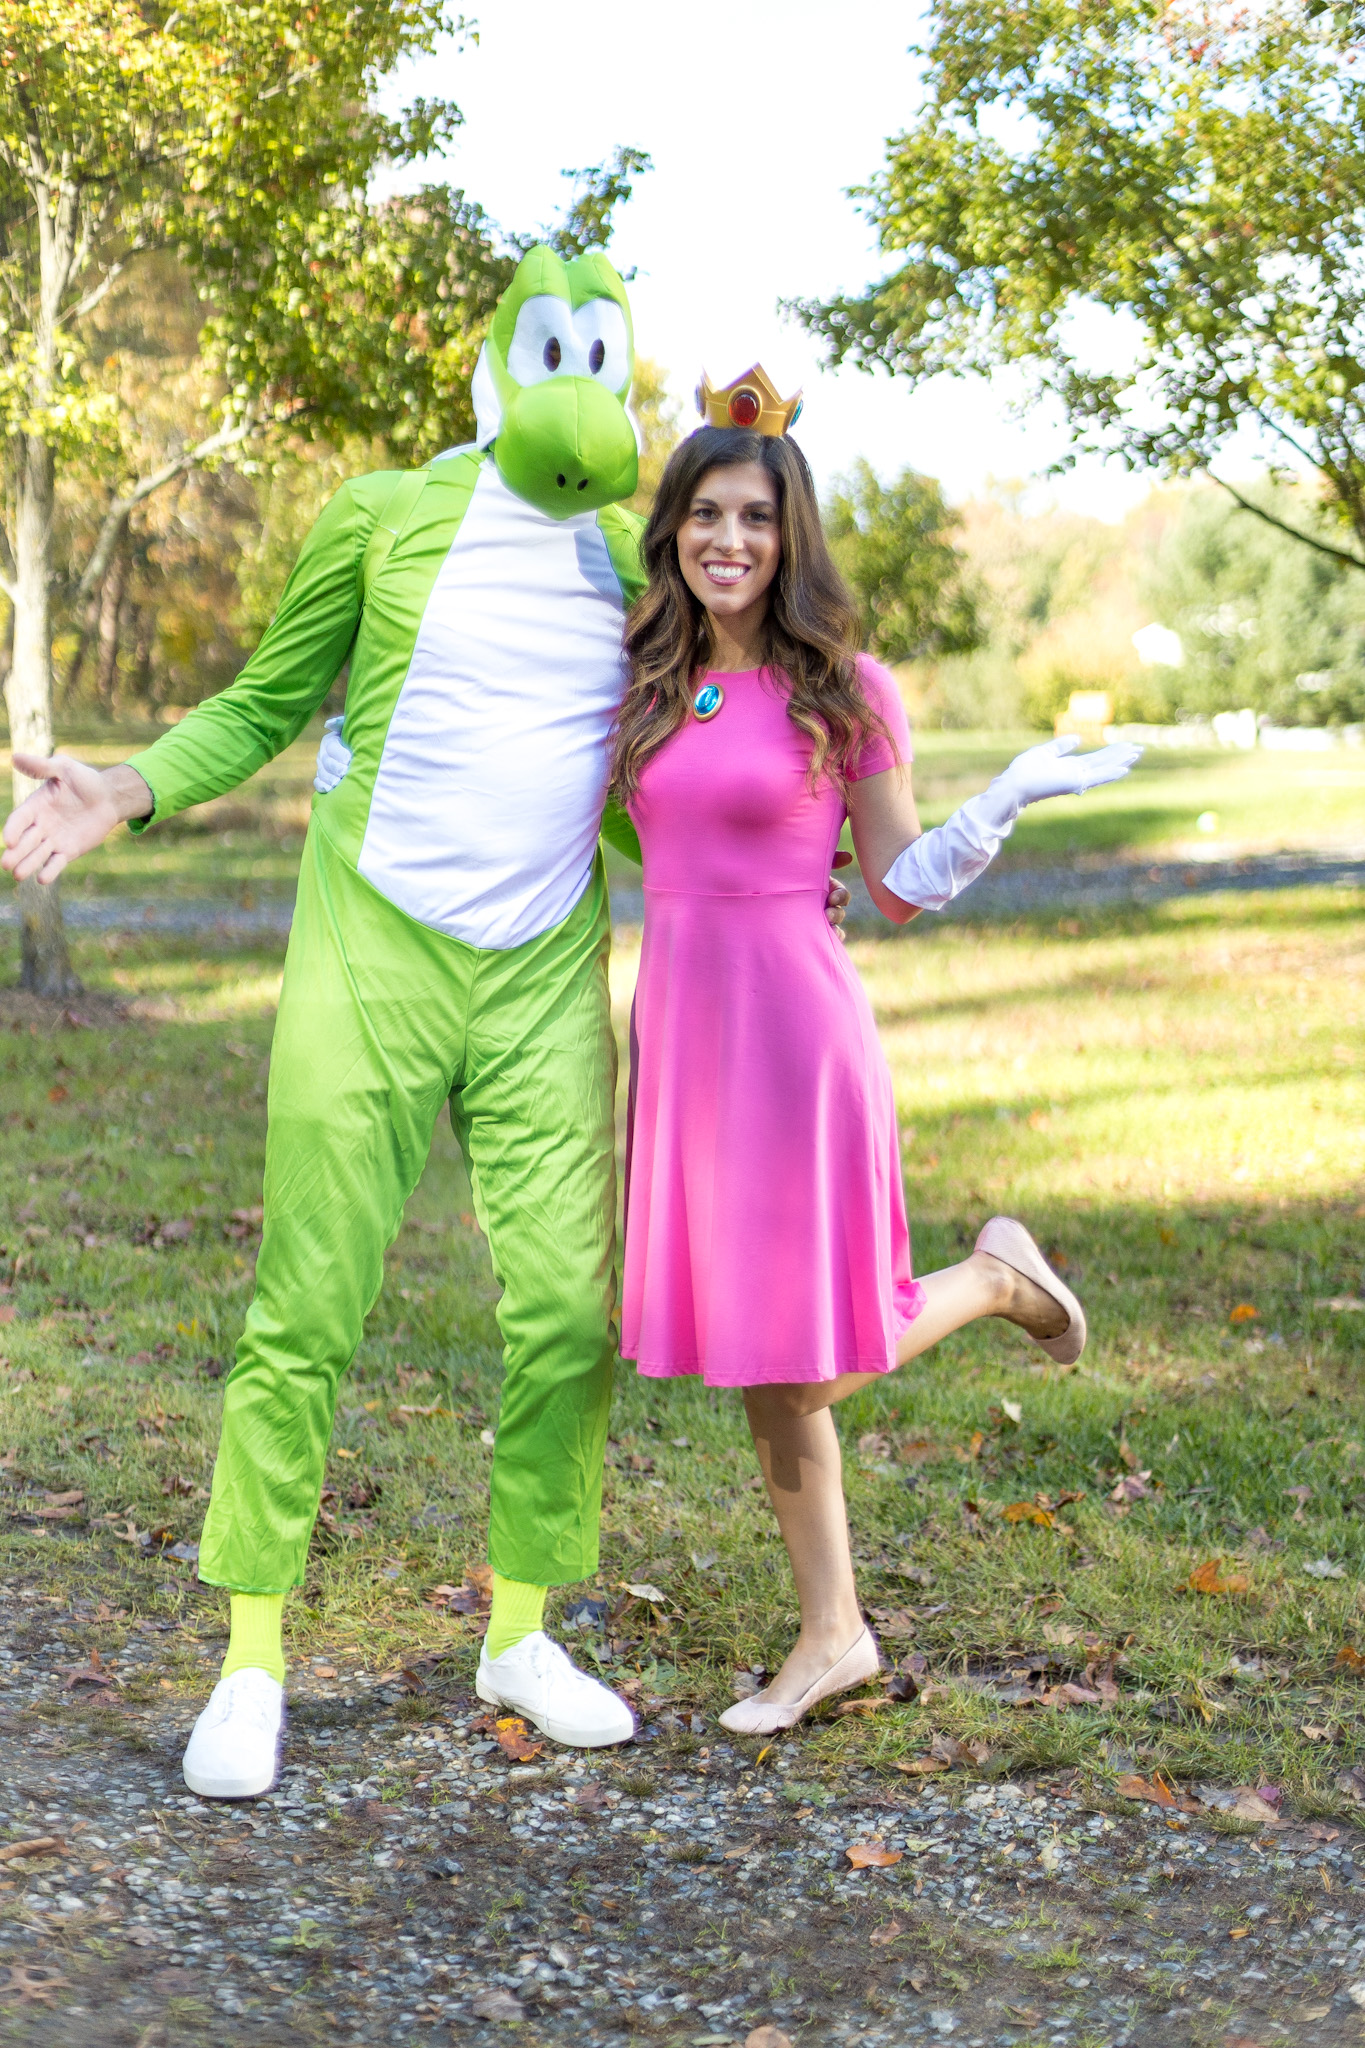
x: 926, y: 870
x: 73, y: 809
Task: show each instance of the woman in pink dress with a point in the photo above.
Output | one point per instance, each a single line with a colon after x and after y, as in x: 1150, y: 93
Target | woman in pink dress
x: 766, y: 1240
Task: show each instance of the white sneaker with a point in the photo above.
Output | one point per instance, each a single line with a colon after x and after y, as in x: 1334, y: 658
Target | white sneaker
x: 234, y: 1751
x: 537, y: 1679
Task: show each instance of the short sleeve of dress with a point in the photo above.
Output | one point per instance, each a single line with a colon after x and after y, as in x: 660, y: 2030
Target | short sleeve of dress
x: 875, y: 756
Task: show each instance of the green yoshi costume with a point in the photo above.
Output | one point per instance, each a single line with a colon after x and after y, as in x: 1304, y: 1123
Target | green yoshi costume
x: 451, y: 932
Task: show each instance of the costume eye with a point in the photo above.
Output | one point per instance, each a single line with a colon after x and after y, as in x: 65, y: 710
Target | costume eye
x: 543, y: 343
x: 603, y: 342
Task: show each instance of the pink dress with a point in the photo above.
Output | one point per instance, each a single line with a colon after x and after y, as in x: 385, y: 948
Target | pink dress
x: 765, y: 1212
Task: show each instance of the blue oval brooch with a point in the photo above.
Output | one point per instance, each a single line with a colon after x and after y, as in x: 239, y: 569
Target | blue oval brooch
x: 708, y: 701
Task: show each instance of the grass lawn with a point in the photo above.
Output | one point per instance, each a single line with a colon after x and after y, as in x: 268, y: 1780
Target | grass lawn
x: 1171, y: 1097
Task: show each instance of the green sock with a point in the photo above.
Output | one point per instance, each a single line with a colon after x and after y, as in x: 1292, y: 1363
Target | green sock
x: 256, y: 1640
x: 518, y: 1610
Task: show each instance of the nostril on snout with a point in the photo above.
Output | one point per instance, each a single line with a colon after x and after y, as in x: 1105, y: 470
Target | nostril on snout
x: 584, y: 485
x: 561, y: 481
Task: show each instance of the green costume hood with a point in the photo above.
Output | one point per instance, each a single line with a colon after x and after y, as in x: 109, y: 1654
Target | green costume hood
x: 551, y: 383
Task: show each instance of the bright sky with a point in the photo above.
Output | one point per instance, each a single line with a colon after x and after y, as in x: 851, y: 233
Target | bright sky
x: 758, y: 116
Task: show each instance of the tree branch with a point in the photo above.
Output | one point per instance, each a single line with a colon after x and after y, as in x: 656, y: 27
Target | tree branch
x: 119, y: 513
x: 1310, y: 540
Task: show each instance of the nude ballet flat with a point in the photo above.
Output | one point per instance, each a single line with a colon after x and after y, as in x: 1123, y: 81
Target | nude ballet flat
x: 1008, y: 1241
x: 762, y: 1716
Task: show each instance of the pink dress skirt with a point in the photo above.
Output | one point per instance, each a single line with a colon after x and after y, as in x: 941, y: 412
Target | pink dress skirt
x: 766, y: 1237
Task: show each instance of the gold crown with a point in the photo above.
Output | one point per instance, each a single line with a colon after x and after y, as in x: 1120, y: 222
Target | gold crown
x: 753, y: 401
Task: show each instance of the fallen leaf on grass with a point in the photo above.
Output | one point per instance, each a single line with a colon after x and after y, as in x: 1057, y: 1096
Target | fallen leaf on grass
x: 1029, y: 1511
x: 497, y: 2005
x: 1208, y: 1578
x: 31, y: 1986
x: 1248, y: 1804
x: 908, y: 1682
x: 1323, y: 1568
x: 37, y: 1845
x: 466, y: 1599
x: 1131, y: 1486
x: 885, y: 1934
x: 874, y: 1444
x: 650, y: 1594
x: 1070, y: 1694
x: 94, y: 1673
x: 767, y: 2037
x: 1352, y: 1783
x: 1244, y: 1313
x: 873, y: 1855
x: 973, y: 1450
x: 1348, y: 1658
x: 895, y: 1621
x: 869, y: 1706
x: 921, y: 1766
x: 920, y: 1451
x: 1156, y: 1791
x: 514, y: 1739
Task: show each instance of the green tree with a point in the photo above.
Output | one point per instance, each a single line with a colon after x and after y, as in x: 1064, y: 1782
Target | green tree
x: 244, y: 138
x: 657, y: 416
x: 1198, y: 170
x: 1280, y: 629
x: 893, y: 544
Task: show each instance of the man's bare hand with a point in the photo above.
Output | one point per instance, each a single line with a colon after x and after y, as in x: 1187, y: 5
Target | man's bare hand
x: 838, y: 899
x: 73, y: 810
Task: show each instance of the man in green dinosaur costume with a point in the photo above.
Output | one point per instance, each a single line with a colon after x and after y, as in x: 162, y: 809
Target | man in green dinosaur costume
x: 449, y: 944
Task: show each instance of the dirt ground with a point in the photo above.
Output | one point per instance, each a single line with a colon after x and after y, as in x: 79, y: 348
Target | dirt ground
x: 406, y: 1881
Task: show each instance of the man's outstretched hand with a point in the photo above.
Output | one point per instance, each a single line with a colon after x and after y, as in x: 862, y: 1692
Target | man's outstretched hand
x: 71, y: 812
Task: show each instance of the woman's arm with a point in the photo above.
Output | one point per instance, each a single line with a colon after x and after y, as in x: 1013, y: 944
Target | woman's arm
x: 926, y: 870
x: 882, y: 814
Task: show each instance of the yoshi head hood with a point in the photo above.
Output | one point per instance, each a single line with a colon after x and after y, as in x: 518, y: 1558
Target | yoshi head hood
x: 551, y: 383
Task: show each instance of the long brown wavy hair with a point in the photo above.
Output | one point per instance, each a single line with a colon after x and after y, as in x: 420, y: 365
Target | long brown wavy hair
x: 810, y: 634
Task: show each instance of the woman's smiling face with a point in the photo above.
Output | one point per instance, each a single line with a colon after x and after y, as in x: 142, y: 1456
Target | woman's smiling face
x: 730, y: 544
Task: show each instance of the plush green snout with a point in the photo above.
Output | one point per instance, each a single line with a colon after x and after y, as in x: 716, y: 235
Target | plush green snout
x: 567, y: 446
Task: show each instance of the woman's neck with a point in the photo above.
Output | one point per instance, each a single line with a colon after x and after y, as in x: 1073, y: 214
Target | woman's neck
x: 737, y: 643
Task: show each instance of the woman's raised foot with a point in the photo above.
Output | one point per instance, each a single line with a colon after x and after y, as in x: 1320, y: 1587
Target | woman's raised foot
x: 1033, y: 1296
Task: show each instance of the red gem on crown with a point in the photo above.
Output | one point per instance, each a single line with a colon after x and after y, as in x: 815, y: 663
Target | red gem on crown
x: 745, y: 407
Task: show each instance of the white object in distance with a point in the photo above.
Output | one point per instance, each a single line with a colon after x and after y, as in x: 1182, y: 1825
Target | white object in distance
x: 940, y: 864
x: 1159, y: 647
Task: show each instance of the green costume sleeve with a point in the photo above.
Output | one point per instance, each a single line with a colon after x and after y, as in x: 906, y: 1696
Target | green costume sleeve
x: 621, y: 531
x: 227, y: 738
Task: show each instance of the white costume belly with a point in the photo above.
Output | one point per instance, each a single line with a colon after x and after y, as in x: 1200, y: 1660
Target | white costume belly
x: 486, y: 807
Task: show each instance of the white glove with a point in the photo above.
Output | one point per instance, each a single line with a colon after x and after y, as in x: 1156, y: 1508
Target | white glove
x: 334, y: 757
x: 942, y: 863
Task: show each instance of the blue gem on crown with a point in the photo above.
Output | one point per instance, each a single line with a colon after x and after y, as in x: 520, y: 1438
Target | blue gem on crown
x: 708, y: 700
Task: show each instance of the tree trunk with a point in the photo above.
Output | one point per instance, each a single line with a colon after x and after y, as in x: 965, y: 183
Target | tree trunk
x: 46, y: 966
x: 111, y: 607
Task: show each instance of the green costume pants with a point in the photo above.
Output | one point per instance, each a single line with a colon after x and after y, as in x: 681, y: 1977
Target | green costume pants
x: 381, y: 1020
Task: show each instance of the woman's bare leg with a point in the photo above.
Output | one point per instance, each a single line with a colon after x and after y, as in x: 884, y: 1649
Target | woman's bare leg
x: 981, y: 1285
x: 803, y: 1470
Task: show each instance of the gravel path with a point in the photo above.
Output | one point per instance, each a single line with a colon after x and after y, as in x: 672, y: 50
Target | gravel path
x: 407, y: 1883
x: 1002, y: 893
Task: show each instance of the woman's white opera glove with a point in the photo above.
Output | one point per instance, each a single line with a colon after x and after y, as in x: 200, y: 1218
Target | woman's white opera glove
x: 334, y: 757
x: 942, y: 863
